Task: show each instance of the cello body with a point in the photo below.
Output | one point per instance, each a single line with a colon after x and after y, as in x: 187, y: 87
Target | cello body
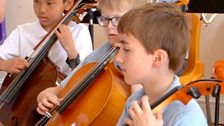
x: 20, y: 110
x: 100, y: 104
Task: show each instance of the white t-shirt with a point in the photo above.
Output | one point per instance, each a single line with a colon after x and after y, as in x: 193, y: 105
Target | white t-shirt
x: 25, y: 37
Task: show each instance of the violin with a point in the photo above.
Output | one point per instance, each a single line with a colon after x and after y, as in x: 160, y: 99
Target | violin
x: 19, y: 92
x: 96, y: 94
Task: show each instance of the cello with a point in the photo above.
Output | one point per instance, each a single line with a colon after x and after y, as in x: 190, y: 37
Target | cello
x: 18, y: 94
x: 194, y: 89
x: 95, y: 94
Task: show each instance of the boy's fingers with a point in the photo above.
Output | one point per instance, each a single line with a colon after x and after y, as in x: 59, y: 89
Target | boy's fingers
x: 131, y: 112
x: 159, y: 117
x: 60, y: 29
x: 39, y: 111
x: 63, y: 28
x: 60, y: 99
x: 47, y: 104
x: 136, y: 107
x: 145, y: 104
x: 53, y: 99
x: 41, y: 108
x: 58, y: 34
x: 127, y: 121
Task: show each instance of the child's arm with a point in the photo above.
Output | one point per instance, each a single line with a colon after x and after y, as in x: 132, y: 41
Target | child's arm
x: 65, y: 37
x: 143, y: 116
x: 48, y: 99
x: 14, y: 65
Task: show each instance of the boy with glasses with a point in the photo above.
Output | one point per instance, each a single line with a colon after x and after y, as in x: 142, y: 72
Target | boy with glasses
x: 104, y: 21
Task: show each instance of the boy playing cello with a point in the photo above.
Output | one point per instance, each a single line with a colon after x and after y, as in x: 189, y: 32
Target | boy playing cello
x: 153, y: 42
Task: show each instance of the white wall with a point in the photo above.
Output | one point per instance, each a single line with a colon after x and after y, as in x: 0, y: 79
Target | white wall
x: 212, y: 43
x: 19, y: 12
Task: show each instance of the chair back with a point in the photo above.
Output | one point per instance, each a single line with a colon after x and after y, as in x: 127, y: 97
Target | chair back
x: 195, y: 68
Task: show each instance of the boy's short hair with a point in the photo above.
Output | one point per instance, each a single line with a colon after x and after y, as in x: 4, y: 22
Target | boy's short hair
x: 120, y: 5
x: 159, y: 26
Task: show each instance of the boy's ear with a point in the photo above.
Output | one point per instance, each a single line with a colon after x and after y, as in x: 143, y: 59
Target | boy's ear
x: 68, y: 4
x: 160, y: 57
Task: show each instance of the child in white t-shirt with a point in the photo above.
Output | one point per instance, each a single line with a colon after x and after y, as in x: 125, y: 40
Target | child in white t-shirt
x: 74, y: 40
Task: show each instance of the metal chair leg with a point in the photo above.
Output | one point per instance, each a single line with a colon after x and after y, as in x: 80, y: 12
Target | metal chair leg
x: 208, y: 110
x: 216, y: 94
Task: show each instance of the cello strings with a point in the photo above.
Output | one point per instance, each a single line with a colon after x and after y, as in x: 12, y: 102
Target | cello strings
x: 20, y: 79
x: 87, y: 79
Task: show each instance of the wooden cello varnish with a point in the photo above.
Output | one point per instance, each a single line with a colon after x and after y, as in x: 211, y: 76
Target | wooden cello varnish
x: 100, y: 104
x: 21, y: 110
x: 95, y: 95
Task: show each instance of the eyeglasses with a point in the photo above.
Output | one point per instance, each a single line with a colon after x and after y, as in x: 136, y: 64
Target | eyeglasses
x: 104, y: 21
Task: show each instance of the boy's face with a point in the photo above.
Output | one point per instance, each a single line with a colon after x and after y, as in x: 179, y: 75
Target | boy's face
x: 49, y: 12
x: 110, y: 30
x: 136, y: 63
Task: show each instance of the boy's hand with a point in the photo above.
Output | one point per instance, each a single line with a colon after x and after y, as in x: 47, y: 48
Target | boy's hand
x: 65, y: 37
x: 48, y: 99
x: 143, y: 116
x: 15, y: 65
